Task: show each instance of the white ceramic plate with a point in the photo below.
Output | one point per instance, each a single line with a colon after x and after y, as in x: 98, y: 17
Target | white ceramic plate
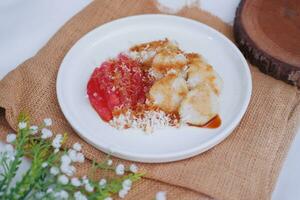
x: 168, y: 144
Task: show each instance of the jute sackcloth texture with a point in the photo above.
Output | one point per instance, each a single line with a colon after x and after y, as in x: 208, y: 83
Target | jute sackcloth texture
x: 244, y: 166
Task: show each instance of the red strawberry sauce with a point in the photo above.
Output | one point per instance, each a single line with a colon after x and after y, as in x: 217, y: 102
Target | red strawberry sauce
x: 117, y: 84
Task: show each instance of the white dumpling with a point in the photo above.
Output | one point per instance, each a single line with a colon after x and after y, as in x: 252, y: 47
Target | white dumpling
x: 199, y: 72
x: 168, y: 92
x: 199, y: 106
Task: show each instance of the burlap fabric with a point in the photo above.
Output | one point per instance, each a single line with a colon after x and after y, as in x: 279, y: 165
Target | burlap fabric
x: 244, y: 166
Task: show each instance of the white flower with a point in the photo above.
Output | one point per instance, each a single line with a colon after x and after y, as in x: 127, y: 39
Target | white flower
x: 11, y: 137
x: 56, y: 150
x: 44, y: 164
x: 54, y: 171
x: 85, y: 180
x: 88, y: 187
x: 49, y: 190
x: 68, y: 169
x: 34, y: 129
x: 22, y: 125
x: 102, y: 182
x: 127, y: 184
x: 108, y: 198
x: 120, y: 169
x: 56, y: 142
x: 63, y: 179
x: 76, y: 156
x: 62, y: 194
x: 79, y: 196
x: 123, y: 193
x: 133, y: 168
x: 160, y: 196
x: 109, y: 162
x: 77, y: 146
x: 46, y: 133
x: 65, y: 159
x: 48, y: 122
x: 72, y: 154
x: 9, y: 148
x: 80, y: 157
x: 75, y: 182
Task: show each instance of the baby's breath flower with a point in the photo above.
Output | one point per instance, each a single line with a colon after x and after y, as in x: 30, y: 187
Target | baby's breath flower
x: 9, y: 148
x: 109, y: 162
x: 123, y: 193
x: 133, y: 168
x: 77, y: 146
x: 48, y: 122
x: 102, y: 182
x: 65, y: 159
x: 63, y: 179
x: 46, y: 133
x: 72, y: 154
x: 22, y: 125
x: 75, y: 182
x: 54, y: 170
x: 85, y: 179
x: 80, y: 157
x: 79, y: 196
x: 34, y: 129
x: 88, y: 187
x: 160, y: 196
x: 120, y: 169
x: 108, y: 198
x: 127, y: 184
x: 56, y: 142
x: 44, y: 164
x: 49, y: 190
x: 56, y: 150
x: 62, y: 194
x: 68, y: 169
x: 11, y: 137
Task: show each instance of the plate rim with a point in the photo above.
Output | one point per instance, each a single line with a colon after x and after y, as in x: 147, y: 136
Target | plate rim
x: 166, y: 157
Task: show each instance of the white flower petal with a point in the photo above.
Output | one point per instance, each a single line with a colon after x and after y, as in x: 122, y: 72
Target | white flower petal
x: 160, y: 196
x: 75, y: 182
x: 108, y: 198
x: 72, y: 154
x: 102, y: 182
x: 46, y: 133
x: 80, y: 157
x: 48, y: 122
x: 79, y: 196
x: 77, y: 146
x: 22, y: 125
x: 109, y: 162
x: 63, y: 179
x: 44, y: 164
x: 11, y: 137
x: 34, y: 129
x: 120, y: 169
x: 123, y: 193
x: 133, y: 168
x: 65, y: 159
x: 54, y: 170
x: 88, y: 187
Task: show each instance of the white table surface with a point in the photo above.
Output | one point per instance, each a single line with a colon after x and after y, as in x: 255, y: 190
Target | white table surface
x: 27, y: 25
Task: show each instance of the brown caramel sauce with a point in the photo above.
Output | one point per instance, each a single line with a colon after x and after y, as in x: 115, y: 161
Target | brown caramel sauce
x: 213, y: 123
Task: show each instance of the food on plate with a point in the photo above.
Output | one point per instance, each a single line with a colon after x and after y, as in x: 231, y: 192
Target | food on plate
x: 155, y: 85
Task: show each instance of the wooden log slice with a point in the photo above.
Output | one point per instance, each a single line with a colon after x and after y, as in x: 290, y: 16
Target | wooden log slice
x: 268, y: 34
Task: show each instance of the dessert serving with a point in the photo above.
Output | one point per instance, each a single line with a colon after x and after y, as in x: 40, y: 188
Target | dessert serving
x: 155, y: 85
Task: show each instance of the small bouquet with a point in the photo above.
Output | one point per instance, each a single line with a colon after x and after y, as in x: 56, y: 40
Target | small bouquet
x: 52, y: 174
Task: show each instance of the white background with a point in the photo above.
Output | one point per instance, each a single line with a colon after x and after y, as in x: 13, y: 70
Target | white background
x: 27, y: 25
